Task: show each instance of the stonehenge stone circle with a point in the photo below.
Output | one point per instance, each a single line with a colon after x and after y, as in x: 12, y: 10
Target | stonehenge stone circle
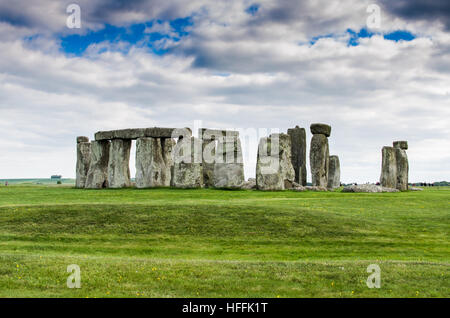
x: 187, y: 169
x: 319, y: 154
x: 215, y: 159
x: 334, y: 173
x: 388, y: 177
x: 83, y: 159
x: 298, y: 153
x: 274, y: 170
x: 97, y: 176
x: 119, y: 163
x: 153, y: 162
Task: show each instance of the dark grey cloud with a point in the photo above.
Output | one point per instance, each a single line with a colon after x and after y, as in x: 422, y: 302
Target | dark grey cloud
x: 428, y: 10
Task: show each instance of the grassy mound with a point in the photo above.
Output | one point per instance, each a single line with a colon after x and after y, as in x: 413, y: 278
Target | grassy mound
x: 215, y: 243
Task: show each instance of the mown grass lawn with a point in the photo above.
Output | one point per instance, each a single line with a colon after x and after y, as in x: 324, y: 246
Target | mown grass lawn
x: 215, y: 243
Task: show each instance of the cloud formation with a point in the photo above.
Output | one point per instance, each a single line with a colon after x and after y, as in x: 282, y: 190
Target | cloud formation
x: 232, y: 69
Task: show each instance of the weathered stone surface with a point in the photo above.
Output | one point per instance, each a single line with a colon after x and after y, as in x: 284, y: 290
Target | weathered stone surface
x: 402, y: 169
x: 368, y: 188
x: 298, y: 153
x: 334, y: 173
x: 316, y: 188
x: 210, y: 139
x: 153, y: 162
x: 208, y: 159
x: 97, y: 176
x: 119, y: 163
x: 298, y: 187
x: 401, y: 144
x: 83, y: 160
x: 168, y: 145
x: 319, y: 160
x: 388, y: 177
x: 82, y: 139
x: 228, y: 166
x: 214, y: 134
x: 274, y: 169
x: 322, y: 129
x: 415, y: 189
x: 187, y: 169
x: 134, y: 133
x: 250, y: 184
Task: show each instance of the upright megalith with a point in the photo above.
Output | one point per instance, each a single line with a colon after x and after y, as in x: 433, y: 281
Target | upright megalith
x: 187, y: 167
x: 388, y: 177
x: 209, y: 144
x: 334, y: 173
x: 274, y: 170
x: 83, y: 159
x: 319, y: 154
x: 97, y: 176
x: 298, y: 153
x: 222, y: 162
x: 228, y: 165
x: 119, y: 163
x: 394, y: 166
x: 402, y: 164
x: 153, y: 162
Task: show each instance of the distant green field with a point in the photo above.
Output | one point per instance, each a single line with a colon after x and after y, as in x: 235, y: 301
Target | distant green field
x: 37, y: 181
x: 215, y: 243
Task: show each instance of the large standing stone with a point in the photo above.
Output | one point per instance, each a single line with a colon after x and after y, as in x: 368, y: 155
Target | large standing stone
x: 97, y: 176
x: 402, y: 169
x: 298, y: 153
x: 334, y: 173
x: 210, y: 138
x: 228, y: 166
x: 274, y: 169
x: 83, y: 159
x: 319, y: 160
x: 388, y: 177
x: 119, y: 163
x: 187, y: 169
x: 209, y: 153
x: 153, y: 162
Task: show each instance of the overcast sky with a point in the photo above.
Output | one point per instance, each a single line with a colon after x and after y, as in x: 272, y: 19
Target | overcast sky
x: 234, y: 64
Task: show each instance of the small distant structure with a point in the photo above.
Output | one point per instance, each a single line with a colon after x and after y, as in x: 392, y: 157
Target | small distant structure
x: 56, y: 177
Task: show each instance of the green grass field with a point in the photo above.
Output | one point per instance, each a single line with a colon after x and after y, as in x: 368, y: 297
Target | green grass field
x: 214, y: 243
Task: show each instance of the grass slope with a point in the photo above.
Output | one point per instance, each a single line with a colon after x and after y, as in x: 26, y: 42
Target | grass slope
x: 214, y: 243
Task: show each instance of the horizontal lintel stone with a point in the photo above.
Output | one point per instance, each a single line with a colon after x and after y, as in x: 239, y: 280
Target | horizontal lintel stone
x: 211, y: 134
x: 134, y: 133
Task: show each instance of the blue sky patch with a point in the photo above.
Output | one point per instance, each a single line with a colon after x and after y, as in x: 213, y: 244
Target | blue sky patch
x: 353, y: 40
x: 253, y: 9
x: 400, y: 35
x: 133, y: 35
x: 354, y: 37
